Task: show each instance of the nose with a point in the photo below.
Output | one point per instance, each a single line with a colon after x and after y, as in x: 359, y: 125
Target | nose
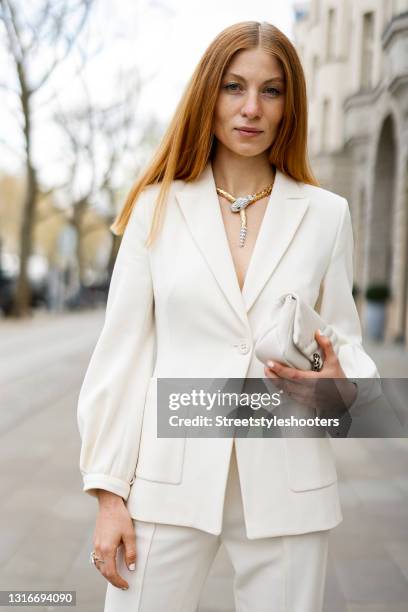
x: 251, y: 106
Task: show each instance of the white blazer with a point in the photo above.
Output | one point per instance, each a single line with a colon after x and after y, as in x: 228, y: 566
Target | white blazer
x: 176, y: 310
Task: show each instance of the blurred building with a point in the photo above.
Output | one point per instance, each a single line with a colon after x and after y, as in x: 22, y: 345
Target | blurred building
x: 355, y: 57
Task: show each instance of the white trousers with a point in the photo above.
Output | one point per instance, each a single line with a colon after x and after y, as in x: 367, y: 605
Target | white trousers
x: 275, y: 574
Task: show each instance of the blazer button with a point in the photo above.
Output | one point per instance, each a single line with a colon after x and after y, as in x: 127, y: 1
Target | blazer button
x: 243, y: 348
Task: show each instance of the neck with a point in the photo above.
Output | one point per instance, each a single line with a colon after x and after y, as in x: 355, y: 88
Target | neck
x: 241, y: 175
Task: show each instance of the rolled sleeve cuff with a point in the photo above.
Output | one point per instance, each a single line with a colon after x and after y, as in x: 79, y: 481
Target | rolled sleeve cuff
x: 108, y: 483
x: 358, y: 395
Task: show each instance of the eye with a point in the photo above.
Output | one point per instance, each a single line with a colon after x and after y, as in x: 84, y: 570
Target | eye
x: 232, y: 86
x: 272, y: 91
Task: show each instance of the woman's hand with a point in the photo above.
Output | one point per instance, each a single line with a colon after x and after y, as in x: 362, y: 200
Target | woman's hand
x: 113, y: 526
x: 301, y: 385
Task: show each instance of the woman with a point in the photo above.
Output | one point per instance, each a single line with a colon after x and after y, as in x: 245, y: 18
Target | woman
x: 192, y: 284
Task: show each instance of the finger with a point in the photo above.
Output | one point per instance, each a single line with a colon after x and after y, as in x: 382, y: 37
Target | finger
x: 287, y: 372
x: 326, y: 345
x: 276, y: 381
x: 109, y: 570
x: 129, y: 543
x: 270, y: 373
x: 302, y: 398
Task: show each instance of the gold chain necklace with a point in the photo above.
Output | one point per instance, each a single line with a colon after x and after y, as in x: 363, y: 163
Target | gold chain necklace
x: 239, y: 205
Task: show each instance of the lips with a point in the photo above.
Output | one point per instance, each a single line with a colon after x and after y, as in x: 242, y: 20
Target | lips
x: 248, y: 129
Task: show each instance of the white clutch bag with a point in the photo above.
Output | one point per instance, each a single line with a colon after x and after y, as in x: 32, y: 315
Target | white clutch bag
x: 289, y: 335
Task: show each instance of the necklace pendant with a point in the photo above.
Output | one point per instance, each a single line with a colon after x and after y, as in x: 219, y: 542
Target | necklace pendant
x: 242, y: 236
x: 244, y: 229
x: 241, y: 203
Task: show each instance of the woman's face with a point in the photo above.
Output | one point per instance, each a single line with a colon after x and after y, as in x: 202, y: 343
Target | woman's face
x: 251, y: 96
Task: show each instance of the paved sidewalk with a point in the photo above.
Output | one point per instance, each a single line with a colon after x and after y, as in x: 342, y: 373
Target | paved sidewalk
x: 46, y: 522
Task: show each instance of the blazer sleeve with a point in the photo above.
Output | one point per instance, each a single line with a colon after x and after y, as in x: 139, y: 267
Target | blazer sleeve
x: 112, y: 397
x: 337, y: 307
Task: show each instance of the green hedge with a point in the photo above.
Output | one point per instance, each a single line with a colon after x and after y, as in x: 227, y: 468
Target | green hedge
x: 377, y: 293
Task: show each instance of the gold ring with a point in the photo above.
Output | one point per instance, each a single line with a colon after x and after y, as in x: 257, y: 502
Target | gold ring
x: 94, y: 558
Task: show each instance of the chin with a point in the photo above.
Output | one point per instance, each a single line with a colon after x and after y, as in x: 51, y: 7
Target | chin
x: 248, y: 151
x: 244, y: 151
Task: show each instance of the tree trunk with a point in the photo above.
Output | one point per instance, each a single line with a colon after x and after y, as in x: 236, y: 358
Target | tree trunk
x: 79, y: 212
x: 22, y: 300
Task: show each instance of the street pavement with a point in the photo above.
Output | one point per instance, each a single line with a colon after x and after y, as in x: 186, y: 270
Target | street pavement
x: 47, y: 522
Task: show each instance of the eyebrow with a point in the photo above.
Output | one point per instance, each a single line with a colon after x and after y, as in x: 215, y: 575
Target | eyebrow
x: 276, y: 79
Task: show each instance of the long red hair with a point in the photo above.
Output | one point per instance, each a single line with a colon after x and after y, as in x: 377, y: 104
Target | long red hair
x: 188, y: 143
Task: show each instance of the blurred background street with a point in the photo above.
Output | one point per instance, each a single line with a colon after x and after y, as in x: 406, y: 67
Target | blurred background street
x: 47, y: 523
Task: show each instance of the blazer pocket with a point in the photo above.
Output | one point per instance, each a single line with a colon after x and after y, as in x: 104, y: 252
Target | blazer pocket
x: 160, y: 459
x: 310, y: 463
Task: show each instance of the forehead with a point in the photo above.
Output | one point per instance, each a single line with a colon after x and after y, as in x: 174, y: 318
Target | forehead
x: 256, y: 63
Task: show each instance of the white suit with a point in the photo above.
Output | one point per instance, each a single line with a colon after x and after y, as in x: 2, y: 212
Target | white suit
x: 176, y: 310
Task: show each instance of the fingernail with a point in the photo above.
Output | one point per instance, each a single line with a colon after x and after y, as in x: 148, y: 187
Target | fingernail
x: 320, y: 332
x: 132, y: 567
x: 124, y: 588
x: 271, y: 364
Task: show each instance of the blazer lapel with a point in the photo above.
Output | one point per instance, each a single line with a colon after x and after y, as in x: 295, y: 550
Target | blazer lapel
x: 198, y: 201
x: 283, y: 215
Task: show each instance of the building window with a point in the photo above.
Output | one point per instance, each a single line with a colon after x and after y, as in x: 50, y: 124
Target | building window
x: 367, y: 51
x: 311, y: 142
x: 361, y: 218
x: 388, y: 12
x: 316, y: 11
x: 325, y: 140
x: 331, y: 34
x: 315, y: 67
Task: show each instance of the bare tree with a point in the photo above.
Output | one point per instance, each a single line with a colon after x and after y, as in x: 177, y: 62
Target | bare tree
x: 99, y: 139
x: 31, y: 34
